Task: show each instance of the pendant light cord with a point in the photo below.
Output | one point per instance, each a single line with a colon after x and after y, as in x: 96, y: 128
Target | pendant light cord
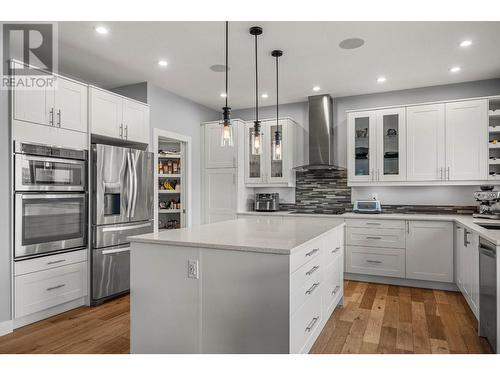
x: 227, y: 58
x: 277, y: 95
x: 256, y: 83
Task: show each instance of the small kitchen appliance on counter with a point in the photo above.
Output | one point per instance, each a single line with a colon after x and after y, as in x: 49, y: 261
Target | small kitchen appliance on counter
x: 489, y: 208
x: 367, y: 207
x: 267, y: 202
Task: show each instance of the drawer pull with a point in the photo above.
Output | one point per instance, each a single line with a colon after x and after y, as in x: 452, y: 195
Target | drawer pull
x: 336, y: 290
x: 312, y: 270
x: 373, y: 238
x: 373, y: 223
x: 56, y: 287
x: 312, y: 324
x: 336, y: 250
x: 56, y: 261
x: 312, y: 252
x: 374, y: 261
x: 312, y: 288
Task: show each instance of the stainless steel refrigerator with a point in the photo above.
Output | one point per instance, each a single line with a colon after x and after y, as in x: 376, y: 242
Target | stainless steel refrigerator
x: 122, y: 206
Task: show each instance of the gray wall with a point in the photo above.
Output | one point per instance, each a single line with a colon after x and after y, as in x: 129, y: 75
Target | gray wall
x: 137, y: 91
x: 174, y: 113
x: 5, y: 240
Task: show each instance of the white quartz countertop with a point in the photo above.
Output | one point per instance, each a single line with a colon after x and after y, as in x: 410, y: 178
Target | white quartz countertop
x: 465, y: 220
x: 272, y: 234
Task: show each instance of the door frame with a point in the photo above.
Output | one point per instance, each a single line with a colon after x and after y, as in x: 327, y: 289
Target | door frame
x: 186, y: 172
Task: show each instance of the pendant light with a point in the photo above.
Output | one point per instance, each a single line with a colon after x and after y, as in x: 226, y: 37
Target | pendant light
x: 277, y: 144
x: 256, y: 136
x: 226, y: 139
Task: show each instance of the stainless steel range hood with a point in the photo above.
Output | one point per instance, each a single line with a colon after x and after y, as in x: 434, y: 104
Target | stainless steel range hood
x: 321, y: 139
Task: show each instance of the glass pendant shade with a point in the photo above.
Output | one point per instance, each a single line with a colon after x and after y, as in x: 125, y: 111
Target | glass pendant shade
x: 256, y: 139
x: 226, y: 139
x: 277, y: 147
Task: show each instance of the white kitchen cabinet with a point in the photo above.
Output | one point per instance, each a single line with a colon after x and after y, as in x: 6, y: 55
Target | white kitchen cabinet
x: 220, y: 194
x: 34, y: 106
x: 217, y: 156
x: 459, y: 244
x: 425, y: 130
x: 112, y: 115
x: 466, y: 140
x: 468, y: 267
x: 261, y: 170
x: 71, y: 105
x: 429, y: 251
x: 361, y: 146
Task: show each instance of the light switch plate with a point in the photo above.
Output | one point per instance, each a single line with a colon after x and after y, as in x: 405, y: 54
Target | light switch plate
x: 193, y: 269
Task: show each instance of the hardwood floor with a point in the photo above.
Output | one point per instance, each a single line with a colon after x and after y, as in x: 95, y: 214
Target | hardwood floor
x: 375, y: 318
x: 379, y: 318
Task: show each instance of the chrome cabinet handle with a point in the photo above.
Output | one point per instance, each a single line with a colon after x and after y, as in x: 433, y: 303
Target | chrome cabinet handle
x: 121, y: 130
x: 336, y: 250
x: 56, y: 261
x: 312, y: 252
x: 373, y: 261
x: 312, y: 324
x: 369, y: 223
x: 312, y: 270
x: 56, y: 287
x: 373, y: 238
x: 441, y: 173
x: 408, y: 227
x: 466, y: 238
x: 59, y: 118
x: 448, y: 173
x: 336, y: 290
x: 312, y: 288
x: 126, y: 132
x: 51, y: 117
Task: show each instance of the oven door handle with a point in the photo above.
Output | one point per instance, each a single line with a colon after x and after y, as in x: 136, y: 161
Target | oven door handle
x: 52, y: 196
x: 50, y: 159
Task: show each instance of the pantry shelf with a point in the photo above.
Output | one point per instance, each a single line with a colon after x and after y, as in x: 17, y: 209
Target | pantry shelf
x: 169, y: 211
x: 167, y: 175
x: 169, y: 192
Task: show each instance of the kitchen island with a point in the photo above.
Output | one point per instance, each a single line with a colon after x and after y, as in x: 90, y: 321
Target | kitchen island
x: 250, y: 285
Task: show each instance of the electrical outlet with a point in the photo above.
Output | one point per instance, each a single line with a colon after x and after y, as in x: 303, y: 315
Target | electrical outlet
x: 193, y: 269
x: 374, y: 196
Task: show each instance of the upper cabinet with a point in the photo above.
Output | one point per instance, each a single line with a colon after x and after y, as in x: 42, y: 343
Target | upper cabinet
x: 262, y: 169
x: 377, y: 145
x: 425, y: 144
x: 118, y: 117
x: 217, y: 156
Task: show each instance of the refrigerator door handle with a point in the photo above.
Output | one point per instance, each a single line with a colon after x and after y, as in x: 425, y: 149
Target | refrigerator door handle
x: 130, y: 184
x: 134, y: 180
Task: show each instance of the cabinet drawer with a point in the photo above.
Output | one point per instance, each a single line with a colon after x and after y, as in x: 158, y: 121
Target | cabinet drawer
x: 333, y: 245
x: 376, y: 237
x: 304, y: 253
x: 369, y: 223
x: 305, y: 323
x: 41, y: 290
x: 48, y: 262
x: 333, y: 287
x: 375, y: 261
x: 308, y: 289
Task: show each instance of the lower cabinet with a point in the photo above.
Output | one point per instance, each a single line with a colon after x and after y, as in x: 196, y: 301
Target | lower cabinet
x: 429, y: 251
x: 377, y: 261
x: 467, y: 266
x: 220, y: 194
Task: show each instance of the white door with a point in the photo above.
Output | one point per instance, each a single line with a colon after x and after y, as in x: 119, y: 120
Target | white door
x: 106, y: 114
x: 429, y: 251
x: 254, y: 164
x: 467, y: 140
x: 34, y: 105
x: 217, y: 156
x: 71, y: 105
x: 220, y: 194
x: 361, y: 146
x: 459, y: 249
x: 277, y: 171
x: 425, y: 140
x: 135, y: 121
x: 391, y: 145
x: 472, y: 265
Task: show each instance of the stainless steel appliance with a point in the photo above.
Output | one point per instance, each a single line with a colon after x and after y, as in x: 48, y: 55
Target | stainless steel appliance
x: 122, y: 206
x: 489, y: 208
x: 267, y: 202
x: 50, y: 204
x: 367, y: 207
x: 488, y: 292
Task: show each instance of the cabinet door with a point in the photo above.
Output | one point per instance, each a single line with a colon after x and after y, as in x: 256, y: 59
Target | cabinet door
x: 429, y: 251
x: 254, y: 164
x: 217, y: 156
x: 135, y: 121
x: 34, y: 105
x: 106, y: 114
x: 466, y: 140
x: 459, y: 249
x: 277, y: 171
x: 425, y: 140
x: 71, y: 105
x: 471, y: 270
x: 361, y: 143
x: 391, y: 145
x: 220, y: 194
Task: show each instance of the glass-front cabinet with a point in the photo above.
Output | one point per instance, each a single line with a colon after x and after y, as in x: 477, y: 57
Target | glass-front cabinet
x: 376, y: 145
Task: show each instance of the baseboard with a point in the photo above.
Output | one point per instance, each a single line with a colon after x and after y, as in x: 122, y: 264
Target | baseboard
x: 402, y: 282
x: 6, y: 327
x: 40, y: 315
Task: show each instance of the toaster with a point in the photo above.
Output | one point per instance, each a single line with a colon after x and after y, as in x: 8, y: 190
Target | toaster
x: 367, y: 207
x: 267, y: 202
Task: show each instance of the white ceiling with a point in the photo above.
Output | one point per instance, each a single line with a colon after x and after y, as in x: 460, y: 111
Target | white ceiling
x: 409, y: 54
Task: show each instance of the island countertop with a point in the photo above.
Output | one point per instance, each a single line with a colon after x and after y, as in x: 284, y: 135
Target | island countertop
x: 277, y: 235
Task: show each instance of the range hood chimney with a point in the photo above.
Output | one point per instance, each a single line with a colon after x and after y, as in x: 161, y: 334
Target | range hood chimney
x: 321, y: 139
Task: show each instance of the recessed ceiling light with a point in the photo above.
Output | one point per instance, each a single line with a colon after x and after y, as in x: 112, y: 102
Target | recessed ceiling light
x: 465, y: 43
x: 455, y: 69
x: 264, y: 96
x: 381, y: 79
x: 101, y: 30
x: 316, y: 88
x: 219, y: 68
x: 351, y: 43
x: 223, y: 95
x: 162, y: 63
